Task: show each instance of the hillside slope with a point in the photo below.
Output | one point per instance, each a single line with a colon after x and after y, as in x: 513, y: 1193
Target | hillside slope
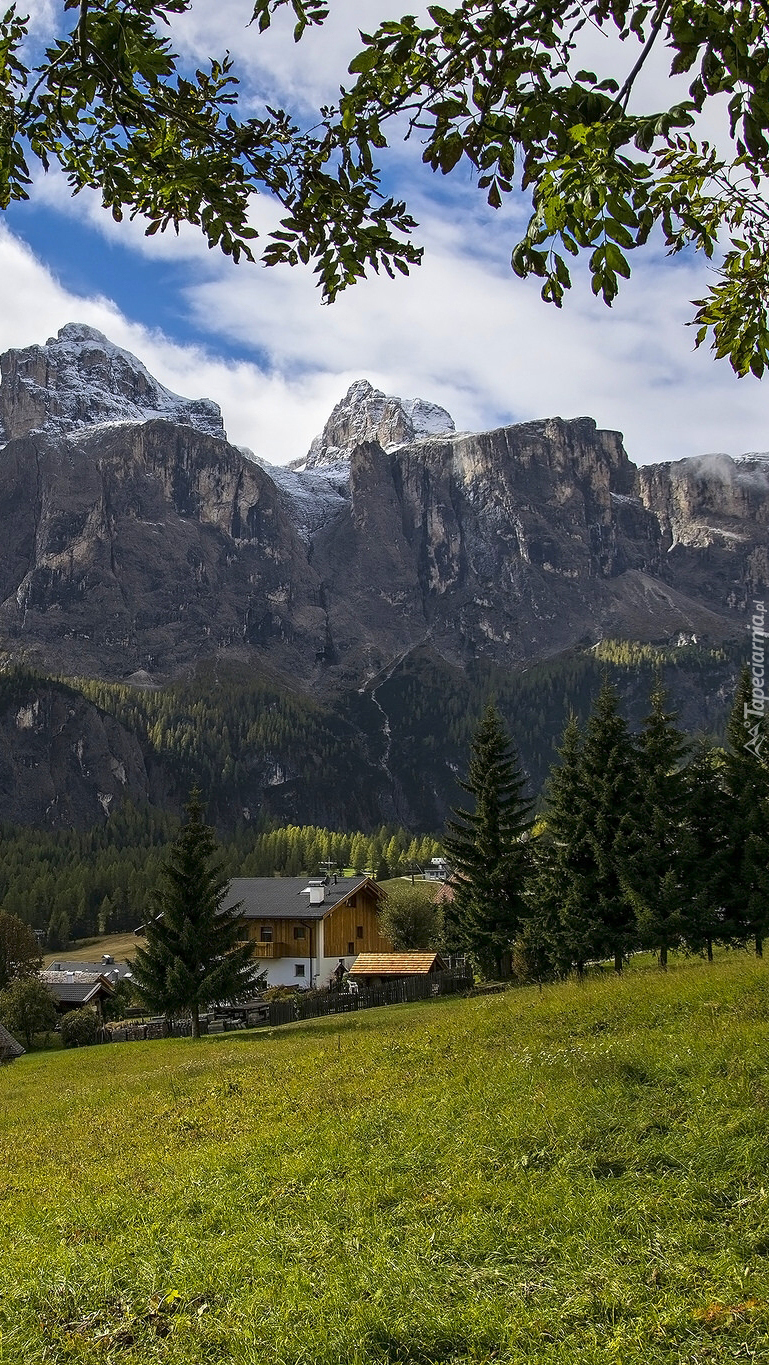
x: 579, y: 1176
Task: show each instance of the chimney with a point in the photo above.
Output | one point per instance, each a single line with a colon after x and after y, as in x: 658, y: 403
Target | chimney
x: 317, y: 890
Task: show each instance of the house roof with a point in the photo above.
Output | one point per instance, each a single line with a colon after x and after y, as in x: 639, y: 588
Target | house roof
x: 282, y: 898
x: 76, y: 988
x: 396, y: 964
x: 111, y: 971
x: 8, y: 1045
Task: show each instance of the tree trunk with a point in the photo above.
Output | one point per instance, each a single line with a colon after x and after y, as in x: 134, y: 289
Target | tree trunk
x: 663, y: 959
x: 196, y: 1021
x: 759, y: 946
x: 710, y: 950
x: 618, y: 962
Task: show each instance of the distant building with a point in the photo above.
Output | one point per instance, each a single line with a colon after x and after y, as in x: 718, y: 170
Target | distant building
x: 73, y: 990
x: 301, y: 929
x: 374, y: 969
x: 437, y: 870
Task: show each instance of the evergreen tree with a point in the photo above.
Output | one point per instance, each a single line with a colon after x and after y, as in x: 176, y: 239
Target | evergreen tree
x: 591, y: 834
x: 746, y: 773
x: 194, y: 955
x: 489, y: 849
x: 654, y: 869
x: 706, y: 850
x: 564, y: 909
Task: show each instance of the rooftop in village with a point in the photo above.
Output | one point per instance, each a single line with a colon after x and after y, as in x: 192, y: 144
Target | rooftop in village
x: 292, y: 897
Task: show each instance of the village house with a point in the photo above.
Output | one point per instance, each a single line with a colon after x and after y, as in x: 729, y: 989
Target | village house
x: 73, y: 990
x: 307, y: 931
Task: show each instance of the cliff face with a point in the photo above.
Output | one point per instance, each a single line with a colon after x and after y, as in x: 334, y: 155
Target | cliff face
x: 144, y: 547
x: 713, y: 515
x: 511, y: 544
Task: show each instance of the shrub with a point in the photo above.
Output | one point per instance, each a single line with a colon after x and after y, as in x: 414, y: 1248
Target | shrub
x: 78, y: 1028
x: 26, y: 1008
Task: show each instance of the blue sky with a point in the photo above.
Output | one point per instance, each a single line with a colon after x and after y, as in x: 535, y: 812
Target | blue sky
x: 461, y: 331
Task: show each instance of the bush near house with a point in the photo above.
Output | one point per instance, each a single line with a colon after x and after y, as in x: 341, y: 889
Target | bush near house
x: 79, y: 1028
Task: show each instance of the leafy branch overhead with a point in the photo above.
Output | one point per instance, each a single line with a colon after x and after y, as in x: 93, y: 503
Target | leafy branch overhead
x: 496, y: 84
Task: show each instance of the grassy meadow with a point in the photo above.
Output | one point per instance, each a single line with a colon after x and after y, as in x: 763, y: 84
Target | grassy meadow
x: 576, y: 1176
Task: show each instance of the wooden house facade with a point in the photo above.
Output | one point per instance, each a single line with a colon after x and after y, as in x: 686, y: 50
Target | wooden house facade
x: 302, y: 928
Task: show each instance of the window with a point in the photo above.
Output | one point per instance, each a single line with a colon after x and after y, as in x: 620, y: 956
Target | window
x: 265, y: 933
x: 350, y: 948
x: 359, y: 931
x: 299, y: 931
x: 298, y: 969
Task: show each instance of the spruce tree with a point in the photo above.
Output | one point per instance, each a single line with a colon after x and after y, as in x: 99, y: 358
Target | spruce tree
x: 706, y: 850
x: 489, y: 849
x: 564, y: 908
x: 194, y: 955
x: 653, y: 863
x: 746, y: 773
x: 590, y: 819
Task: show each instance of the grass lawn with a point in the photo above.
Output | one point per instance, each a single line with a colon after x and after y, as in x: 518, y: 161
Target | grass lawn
x: 119, y: 946
x: 577, y: 1176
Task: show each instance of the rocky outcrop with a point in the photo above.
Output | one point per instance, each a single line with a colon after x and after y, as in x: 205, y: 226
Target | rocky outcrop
x: 713, y: 515
x: 367, y: 414
x: 80, y: 379
x: 146, y: 547
x: 63, y: 762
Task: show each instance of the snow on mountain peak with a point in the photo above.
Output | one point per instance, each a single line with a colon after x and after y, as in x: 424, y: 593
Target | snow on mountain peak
x: 81, y: 379
x: 367, y: 414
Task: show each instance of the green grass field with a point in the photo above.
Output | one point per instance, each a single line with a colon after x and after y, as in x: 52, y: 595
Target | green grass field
x: 119, y: 946
x: 577, y: 1176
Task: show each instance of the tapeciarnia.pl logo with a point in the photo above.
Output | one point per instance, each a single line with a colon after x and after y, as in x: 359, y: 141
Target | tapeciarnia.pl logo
x: 755, y: 712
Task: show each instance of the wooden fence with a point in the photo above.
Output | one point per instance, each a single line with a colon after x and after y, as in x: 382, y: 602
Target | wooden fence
x: 307, y: 1005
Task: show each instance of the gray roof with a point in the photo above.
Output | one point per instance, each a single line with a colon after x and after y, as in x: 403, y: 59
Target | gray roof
x: 281, y: 897
x: 112, y: 971
x: 71, y: 988
x: 8, y: 1045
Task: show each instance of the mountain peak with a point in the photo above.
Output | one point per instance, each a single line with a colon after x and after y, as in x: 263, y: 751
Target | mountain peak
x: 81, y: 379
x: 367, y: 414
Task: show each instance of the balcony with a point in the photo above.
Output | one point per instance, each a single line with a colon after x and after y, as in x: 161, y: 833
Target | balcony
x: 276, y: 949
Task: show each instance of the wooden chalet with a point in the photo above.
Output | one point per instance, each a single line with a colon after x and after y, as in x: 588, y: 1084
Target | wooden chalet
x: 305, y: 931
x: 373, y: 969
x: 9, y: 1048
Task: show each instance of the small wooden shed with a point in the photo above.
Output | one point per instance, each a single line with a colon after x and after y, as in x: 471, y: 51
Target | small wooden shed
x: 373, y: 969
x: 9, y: 1048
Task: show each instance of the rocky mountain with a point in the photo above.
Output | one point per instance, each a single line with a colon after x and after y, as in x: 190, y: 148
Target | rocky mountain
x: 137, y: 542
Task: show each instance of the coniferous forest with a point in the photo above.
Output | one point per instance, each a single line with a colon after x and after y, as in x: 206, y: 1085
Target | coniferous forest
x: 641, y: 838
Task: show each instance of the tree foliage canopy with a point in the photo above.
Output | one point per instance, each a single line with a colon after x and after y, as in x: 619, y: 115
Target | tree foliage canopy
x: 497, y: 85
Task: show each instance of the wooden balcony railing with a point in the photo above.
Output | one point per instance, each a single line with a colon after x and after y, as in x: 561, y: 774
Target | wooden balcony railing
x: 276, y: 949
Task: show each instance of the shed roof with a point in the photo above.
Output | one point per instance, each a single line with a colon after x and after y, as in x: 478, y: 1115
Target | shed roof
x: 396, y: 964
x: 282, y: 898
x: 8, y: 1045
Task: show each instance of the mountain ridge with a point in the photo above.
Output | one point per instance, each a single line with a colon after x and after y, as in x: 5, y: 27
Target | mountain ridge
x: 138, y: 544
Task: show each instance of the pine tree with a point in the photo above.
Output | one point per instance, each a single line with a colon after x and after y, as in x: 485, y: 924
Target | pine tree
x: 706, y: 849
x: 746, y: 772
x: 564, y: 909
x: 591, y: 834
x: 654, y: 868
x: 193, y: 956
x: 489, y: 849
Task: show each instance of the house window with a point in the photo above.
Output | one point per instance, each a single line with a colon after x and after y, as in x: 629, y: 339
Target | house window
x: 265, y: 933
x: 350, y: 948
x: 359, y: 931
x: 298, y: 969
x: 299, y: 931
